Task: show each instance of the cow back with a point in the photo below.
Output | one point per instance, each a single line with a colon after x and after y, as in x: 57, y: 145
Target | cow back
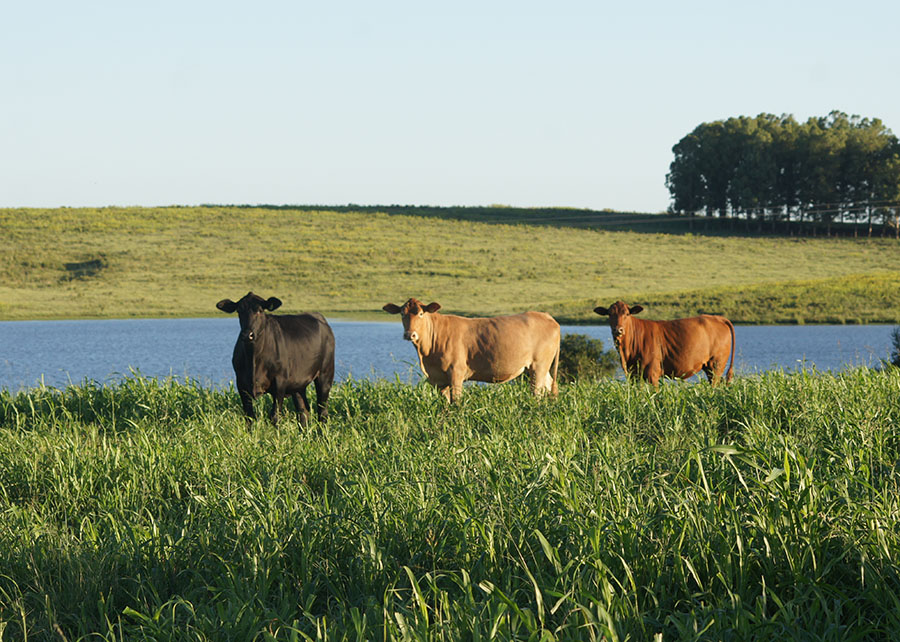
x: 493, y: 349
x: 292, y: 351
x: 679, y: 347
x: 302, y: 338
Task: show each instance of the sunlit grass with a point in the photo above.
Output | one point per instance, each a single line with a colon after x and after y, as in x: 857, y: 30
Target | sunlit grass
x: 766, y: 509
x: 179, y: 261
x: 862, y: 298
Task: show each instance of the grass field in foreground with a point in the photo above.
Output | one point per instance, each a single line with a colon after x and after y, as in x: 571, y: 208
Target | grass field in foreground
x: 767, y: 509
x: 178, y: 261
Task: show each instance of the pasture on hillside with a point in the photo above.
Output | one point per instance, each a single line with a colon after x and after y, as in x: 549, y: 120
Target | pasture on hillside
x: 766, y: 509
x: 178, y: 261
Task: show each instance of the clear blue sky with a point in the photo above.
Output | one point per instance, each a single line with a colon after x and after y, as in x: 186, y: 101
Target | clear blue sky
x: 464, y: 103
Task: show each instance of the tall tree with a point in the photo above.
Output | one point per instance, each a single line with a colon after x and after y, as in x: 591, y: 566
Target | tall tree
x: 887, y: 188
x: 785, y: 133
x: 685, y: 180
x: 827, y: 168
x: 753, y: 181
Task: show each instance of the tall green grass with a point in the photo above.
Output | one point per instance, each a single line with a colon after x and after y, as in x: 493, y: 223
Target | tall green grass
x: 767, y: 509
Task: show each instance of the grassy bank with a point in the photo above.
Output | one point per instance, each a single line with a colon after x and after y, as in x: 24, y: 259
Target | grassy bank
x: 864, y: 298
x: 149, y: 262
x: 767, y: 509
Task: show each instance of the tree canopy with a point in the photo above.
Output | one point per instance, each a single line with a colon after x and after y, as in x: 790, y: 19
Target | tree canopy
x: 836, y: 168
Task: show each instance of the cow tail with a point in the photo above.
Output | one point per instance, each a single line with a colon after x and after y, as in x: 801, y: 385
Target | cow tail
x: 728, y: 376
x: 554, y: 389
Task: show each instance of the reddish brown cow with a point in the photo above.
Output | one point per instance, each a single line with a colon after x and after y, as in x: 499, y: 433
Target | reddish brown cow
x: 679, y: 348
x: 455, y: 349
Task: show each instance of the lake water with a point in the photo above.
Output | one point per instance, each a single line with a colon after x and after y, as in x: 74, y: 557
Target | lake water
x: 61, y: 352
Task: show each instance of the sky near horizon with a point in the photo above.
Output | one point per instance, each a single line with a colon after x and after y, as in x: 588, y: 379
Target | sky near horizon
x: 532, y: 104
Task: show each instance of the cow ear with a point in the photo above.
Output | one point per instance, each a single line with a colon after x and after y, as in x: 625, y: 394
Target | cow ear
x: 390, y: 308
x: 272, y: 303
x: 635, y: 309
x: 432, y: 307
x: 227, y: 305
x: 602, y: 311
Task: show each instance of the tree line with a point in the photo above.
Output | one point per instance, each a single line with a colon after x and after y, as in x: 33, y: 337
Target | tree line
x: 827, y: 172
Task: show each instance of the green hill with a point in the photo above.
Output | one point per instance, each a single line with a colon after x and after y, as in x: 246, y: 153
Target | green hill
x: 178, y: 261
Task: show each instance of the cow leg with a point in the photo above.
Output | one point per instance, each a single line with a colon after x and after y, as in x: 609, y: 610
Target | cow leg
x: 636, y: 371
x: 323, y: 389
x: 247, y: 405
x: 456, y: 384
x: 712, y: 371
x: 541, y: 381
x: 277, y: 400
x: 652, y: 375
x: 301, y: 405
x: 534, y: 379
x: 450, y: 391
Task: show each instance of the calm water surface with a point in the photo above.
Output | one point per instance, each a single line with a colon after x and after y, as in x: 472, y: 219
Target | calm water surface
x: 61, y: 352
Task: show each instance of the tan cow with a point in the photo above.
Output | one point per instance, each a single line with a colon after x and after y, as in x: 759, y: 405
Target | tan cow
x: 679, y: 348
x: 455, y: 349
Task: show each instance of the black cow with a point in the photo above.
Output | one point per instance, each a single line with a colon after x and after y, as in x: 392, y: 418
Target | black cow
x: 281, y: 355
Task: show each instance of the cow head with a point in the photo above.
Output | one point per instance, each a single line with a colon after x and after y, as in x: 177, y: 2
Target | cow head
x: 416, y: 321
x: 251, y: 311
x: 619, y: 319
